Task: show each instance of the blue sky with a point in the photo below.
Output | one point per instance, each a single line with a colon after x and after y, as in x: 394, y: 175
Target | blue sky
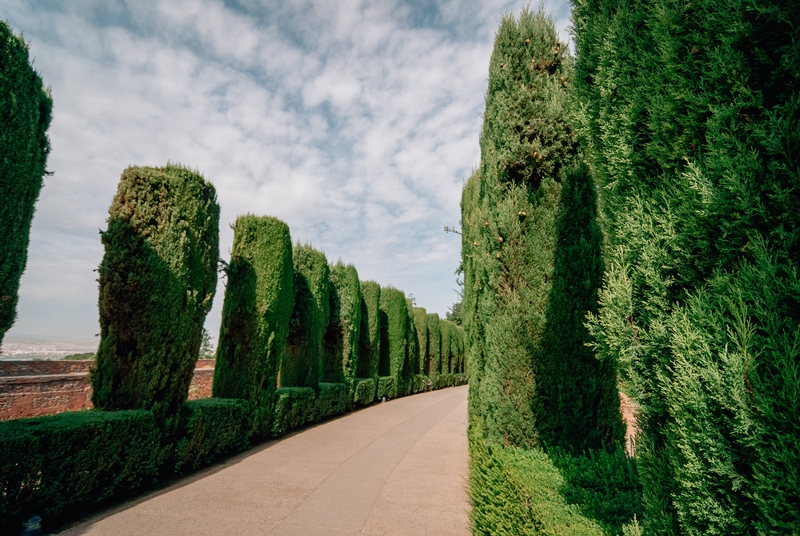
x: 355, y: 122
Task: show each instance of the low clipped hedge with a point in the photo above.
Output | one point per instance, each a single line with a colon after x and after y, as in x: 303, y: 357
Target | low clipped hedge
x: 420, y: 384
x: 332, y: 399
x: 364, y: 393
x: 52, y: 465
x: 213, y: 428
x: 387, y: 387
x: 294, y: 407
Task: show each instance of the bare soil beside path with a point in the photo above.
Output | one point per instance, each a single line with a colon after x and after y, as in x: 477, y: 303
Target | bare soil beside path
x: 398, y: 468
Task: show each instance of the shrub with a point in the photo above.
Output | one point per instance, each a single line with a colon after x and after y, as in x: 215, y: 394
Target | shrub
x: 213, y: 428
x: 55, y: 465
x: 157, y: 281
x: 387, y: 387
x: 690, y: 120
x: 434, y: 346
x: 294, y: 407
x: 301, y: 360
x: 364, y: 391
x: 445, y: 326
x: 412, y: 340
x: 332, y: 399
x: 421, y: 325
x: 369, y: 334
x: 393, y: 305
x: 25, y: 108
x: 255, y: 315
x: 342, y: 336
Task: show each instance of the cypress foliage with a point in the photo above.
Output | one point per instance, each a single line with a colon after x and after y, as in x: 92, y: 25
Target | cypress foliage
x: 395, y: 336
x: 255, y: 315
x: 434, y: 345
x: 692, y: 124
x: 445, y: 326
x: 302, y: 358
x: 421, y: 324
x: 369, y: 334
x: 26, y: 110
x: 413, y: 340
x: 157, y: 281
x: 341, y: 338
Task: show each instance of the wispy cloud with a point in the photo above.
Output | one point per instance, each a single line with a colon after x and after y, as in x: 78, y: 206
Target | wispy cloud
x: 355, y: 122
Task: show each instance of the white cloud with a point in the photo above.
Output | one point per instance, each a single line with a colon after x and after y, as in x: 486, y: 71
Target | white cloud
x: 348, y: 120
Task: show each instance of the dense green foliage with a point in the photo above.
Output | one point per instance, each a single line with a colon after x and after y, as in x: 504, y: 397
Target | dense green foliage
x: 53, y: 465
x: 394, y: 353
x: 433, y: 343
x: 690, y: 112
x: 157, y: 280
x: 332, y: 399
x: 25, y: 113
x: 369, y: 334
x: 387, y: 387
x: 213, y: 427
x: 421, y: 326
x: 294, y: 407
x: 302, y: 358
x: 340, y: 355
x: 445, y: 326
x: 524, y: 218
x: 255, y: 315
x: 364, y: 392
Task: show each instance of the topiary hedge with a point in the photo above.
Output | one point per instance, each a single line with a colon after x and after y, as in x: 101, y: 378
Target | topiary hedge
x: 421, y: 325
x: 364, y: 392
x: 395, y: 311
x: 157, y: 281
x: 387, y: 387
x: 214, y: 427
x: 369, y: 340
x: 294, y: 407
x: 255, y: 314
x: 434, y: 346
x: 54, y: 465
x: 445, y: 327
x: 332, y: 399
x: 690, y: 117
x: 302, y: 358
x: 341, y: 339
x: 26, y: 110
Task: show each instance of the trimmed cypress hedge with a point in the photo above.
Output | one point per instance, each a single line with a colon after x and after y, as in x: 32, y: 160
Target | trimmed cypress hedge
x: 157, y: 281
x: 342, y: 335
x: 26, y: 111
x: 690, y: 120
x: 421, y: 325
x: 303, y: 356
x: 412, y: 340
x: 364, y: 392
x: 332, y: 399
x: 445, y: 326
x: 434, y: 346
x: 396, y: 355
x: 294, y: 407
x: 214, y: 427
x: 387, y: 387
x: 520, y: 225
x: 55, y: 465
x: 369, y: 335
x: 255, y: 314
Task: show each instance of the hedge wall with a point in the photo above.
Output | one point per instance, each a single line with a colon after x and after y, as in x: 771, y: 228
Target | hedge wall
x: 52, y: 466
x: 395, y: 311
x: 364, y: 392
x: 691, y: 122
x: 387, y: 387
x: 445, y: 326
x: 421, y: 325
x: 302, y: 359
x: 157, y: 280
x: 344, y: 325
x: 518, y: 228
x: 26, y: 110
x: 369, y: 337
x: 434, y: 346
x: 294, y: 407
x: 255, y: 314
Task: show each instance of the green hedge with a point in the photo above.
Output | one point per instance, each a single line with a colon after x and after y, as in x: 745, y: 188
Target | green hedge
x: 332, y: 399
x: 395, y: 354
x: 26, y: 110
x: 302, y: 359
x: 369, y: 335
x: 157, y: 281
x: 364, y: 392
x: 387, y: 387
x: 434, y: 346
x: 258, y: 303
x: 344, y: 325
x: 445, y: 326
x: 690, y: 118
x: 412, y: 340
x: 294, y: 407
x: 213, y: 428
x: 55, y: 465
x: 421, y: 325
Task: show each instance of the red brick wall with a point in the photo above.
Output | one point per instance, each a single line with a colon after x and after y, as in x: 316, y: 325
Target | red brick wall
x: 33, y: 388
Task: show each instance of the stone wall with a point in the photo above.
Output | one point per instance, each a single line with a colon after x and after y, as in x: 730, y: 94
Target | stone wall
x: 34, y: 388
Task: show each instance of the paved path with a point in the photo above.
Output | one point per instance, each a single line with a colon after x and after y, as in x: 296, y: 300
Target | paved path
x: 397, y: 468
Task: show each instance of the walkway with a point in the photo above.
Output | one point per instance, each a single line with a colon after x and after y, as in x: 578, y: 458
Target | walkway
x: 397, y: 468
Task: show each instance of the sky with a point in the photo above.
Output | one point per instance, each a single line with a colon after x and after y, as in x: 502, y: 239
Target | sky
x: 355, y: 122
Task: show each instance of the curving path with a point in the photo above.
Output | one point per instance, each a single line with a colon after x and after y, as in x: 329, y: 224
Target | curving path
x: 398, y: 468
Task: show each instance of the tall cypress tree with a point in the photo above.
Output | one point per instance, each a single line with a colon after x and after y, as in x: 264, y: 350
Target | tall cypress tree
x: 522, y: 222
x: 369, y: 335
x: 692, y: 127
x: 344, y: 324
x: 25, y: 113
